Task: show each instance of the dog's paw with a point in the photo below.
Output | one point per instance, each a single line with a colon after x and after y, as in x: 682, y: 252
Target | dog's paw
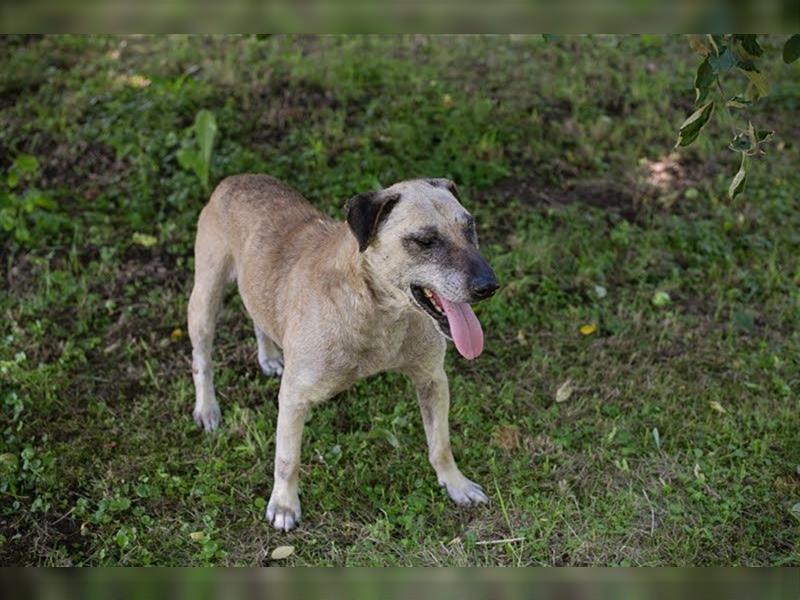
x: 465, y: 492
x: 208, y: 417
x: 283, y: 516
x: 272, y: 367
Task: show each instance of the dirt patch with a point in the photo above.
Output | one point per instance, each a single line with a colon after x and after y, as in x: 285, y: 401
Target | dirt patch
x: 89, y: 166
x: 284, y: 102
x: 600, y: 194
x: 138, y: 266
x: 21, y: 275
x: 667, y: 179
x: 657, y: 185
x: 50, y: 533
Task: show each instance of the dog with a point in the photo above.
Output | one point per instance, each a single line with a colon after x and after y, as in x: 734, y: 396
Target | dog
x: 333, y: 302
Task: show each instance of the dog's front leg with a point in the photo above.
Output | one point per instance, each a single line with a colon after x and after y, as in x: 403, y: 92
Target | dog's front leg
x: 283, y: 510
x: 295, y: 399
x: 434, y: 402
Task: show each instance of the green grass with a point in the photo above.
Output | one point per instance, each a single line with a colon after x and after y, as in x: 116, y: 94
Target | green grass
x: 557, y: 149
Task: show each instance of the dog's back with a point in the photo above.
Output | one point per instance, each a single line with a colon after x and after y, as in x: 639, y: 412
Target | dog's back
x: 248, y: 205
x: 255, y: 229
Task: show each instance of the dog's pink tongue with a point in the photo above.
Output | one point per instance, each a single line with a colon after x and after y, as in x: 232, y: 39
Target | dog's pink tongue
x: 465, y: 327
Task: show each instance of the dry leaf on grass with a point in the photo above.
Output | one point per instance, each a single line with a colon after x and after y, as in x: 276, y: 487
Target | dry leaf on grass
x: 282, y: 552
x: 564, y: 391
x: 717, y: 407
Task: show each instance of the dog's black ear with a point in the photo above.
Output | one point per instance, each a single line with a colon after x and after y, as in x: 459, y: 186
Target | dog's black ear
x: 365, y: 213
x: 441, y: 182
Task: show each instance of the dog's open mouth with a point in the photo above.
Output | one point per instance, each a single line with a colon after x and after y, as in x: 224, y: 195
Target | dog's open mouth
x: 456, y: 320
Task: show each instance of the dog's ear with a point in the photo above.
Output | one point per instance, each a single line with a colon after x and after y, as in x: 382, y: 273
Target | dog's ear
x: 365, y: 213
x: 441, y: 182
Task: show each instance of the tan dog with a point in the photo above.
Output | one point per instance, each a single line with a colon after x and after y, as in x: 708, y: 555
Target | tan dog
x: 342, y: 301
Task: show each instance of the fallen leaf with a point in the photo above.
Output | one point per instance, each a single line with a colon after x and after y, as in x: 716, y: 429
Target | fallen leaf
x: 698, y: 474
x: 197, y: 536
x: 588, y: 329
x: 138, y: 81
x: 660, y: 299
x: 176, y: 334
x: 564, y: 391
x: 521, y: 337
x: 447, y: 101
x: 282, y: 552
x: 144, y: 239
x: 717, y: 407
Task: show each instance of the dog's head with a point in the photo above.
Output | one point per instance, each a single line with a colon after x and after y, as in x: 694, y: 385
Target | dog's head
x: 417, y: 237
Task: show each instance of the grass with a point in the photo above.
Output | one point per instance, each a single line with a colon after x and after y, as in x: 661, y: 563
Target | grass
x: 678, y: 444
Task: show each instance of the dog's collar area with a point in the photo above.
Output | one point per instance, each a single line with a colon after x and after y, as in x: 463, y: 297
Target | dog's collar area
x: 425, y: 300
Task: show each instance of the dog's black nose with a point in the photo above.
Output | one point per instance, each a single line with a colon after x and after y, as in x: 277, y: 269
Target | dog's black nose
x: 484, y: 286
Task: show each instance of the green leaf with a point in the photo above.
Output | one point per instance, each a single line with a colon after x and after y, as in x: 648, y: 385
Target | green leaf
x: 737, y: 185
x: 764, y: 135
x: 39, y: 200
x: 25, y: 164
x: 758, y: 81
x: 791, y: 49
x: 12, y: 179
x: 7, y: 219
x: 8, y: 200
x: 749, y: 42
x: 692, y: 126
x: 703, y: 80
x: 21, y: 232
x: 742, y: 143
x: 205, y: 129
x: 738, y: 101
x: 724, y: 61
x: 187, y: 158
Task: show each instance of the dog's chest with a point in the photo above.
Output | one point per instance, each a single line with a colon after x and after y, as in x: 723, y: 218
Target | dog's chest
x: 381, y: 345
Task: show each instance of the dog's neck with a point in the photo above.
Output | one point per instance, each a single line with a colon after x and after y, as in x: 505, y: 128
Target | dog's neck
x: 357, y: 269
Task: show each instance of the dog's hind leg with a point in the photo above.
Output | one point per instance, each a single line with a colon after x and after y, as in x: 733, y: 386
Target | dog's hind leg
x: 212, y: 271
x: 270, y: 357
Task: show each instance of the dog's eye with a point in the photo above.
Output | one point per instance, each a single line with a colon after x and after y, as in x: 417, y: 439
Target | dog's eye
x: 426, y: 241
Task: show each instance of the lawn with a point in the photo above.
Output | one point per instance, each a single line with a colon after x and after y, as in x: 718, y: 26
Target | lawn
x: 637, y: 401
